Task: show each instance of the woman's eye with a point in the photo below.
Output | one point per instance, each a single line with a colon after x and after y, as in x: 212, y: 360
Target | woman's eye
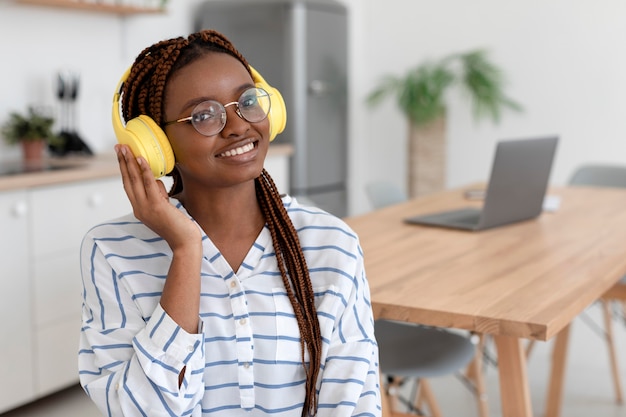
x: 248, y: 101
x: 204, y: 116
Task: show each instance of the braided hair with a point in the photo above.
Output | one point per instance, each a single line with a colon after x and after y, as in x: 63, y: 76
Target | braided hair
x: 143, y: 93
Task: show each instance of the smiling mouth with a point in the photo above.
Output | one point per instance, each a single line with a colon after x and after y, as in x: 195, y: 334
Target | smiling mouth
x: 237, y: 151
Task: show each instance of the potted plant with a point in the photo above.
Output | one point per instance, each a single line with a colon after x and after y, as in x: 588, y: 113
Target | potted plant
x: 421, y: 96
x: 32, y: 130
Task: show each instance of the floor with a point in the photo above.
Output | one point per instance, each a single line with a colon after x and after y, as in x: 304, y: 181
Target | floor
x: 588, y: 389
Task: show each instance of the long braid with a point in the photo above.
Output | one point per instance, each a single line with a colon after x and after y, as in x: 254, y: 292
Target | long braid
x: 143, y: 93
x: 292, y: 263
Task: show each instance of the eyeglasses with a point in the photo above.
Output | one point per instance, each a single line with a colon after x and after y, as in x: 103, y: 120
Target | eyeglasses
x: 209, y: 117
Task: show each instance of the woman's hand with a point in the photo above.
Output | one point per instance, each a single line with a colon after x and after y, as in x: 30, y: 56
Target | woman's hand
x: 151, y: 204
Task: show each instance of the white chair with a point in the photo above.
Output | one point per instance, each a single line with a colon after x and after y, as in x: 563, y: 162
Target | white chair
x: 598, y: 175
x: 411, y: 353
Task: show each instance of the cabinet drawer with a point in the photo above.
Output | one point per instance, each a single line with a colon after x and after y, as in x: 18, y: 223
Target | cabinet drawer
x: 61, y: 215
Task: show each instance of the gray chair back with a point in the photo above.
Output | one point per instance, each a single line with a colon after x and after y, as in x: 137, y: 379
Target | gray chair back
x: 598, y: 175
x: 382, y: 194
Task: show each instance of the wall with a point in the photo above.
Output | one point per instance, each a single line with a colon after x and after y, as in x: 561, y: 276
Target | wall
x: 564, y: 61
x: 37, y: 42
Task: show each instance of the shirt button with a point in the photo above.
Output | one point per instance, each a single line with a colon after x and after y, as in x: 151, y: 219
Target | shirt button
x: 233, y: 284
x: 246, y: 365
x: 190, y: 348
x: 117, y: 386
x: 242, y: 321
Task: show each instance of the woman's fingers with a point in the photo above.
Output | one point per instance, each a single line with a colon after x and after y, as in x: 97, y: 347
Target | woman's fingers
x: 150, y: 200
x: 137, y: 179
x: 150, y: 184
x: 121, y: 151
x: 163, y: 190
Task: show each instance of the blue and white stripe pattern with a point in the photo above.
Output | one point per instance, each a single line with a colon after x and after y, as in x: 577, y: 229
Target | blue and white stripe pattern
x: 246, y: 358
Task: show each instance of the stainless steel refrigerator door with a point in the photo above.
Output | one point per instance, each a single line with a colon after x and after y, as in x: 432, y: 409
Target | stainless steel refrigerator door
x: 319, y: 165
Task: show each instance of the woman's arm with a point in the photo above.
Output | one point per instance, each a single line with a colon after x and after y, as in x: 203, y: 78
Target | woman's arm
x: 130, y: 361
x: 129, y: 364
x: 350, y: 379
x: 181, y: 295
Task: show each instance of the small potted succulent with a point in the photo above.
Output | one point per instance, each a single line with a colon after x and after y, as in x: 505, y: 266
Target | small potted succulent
x: 32, y: 130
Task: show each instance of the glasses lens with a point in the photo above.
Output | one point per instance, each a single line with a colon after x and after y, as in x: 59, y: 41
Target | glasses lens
x: 208, y: 117
x: 254, y: 104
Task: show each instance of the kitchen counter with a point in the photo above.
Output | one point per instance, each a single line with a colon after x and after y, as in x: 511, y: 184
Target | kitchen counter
x: 79, y: 168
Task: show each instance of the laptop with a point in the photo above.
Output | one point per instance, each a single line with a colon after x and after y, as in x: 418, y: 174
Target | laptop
x: 516, y: 190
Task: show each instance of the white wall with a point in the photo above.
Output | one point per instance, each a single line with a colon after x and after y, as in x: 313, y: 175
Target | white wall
x: 565, y: 62
x: 36, y: 42
x: 564, y: 59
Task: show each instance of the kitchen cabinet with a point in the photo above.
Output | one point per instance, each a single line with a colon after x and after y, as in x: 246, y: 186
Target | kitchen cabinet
x: 16, y: 338
x: 40, y: 284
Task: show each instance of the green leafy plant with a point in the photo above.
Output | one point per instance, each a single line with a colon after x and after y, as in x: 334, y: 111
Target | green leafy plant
x: 421, y: 93
x: 33, y: 126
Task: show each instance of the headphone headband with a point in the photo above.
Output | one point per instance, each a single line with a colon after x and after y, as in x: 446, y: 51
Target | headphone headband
x: 146, y: 138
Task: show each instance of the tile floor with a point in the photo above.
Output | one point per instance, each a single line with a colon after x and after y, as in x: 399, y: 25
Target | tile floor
x: 588, y: 389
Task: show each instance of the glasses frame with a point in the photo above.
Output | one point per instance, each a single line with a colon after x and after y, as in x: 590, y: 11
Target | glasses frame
x: 189, y: 119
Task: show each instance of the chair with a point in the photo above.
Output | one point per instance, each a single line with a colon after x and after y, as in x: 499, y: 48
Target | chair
x: 597, y: 175
x: 415, y: 353
x: 383, y: 193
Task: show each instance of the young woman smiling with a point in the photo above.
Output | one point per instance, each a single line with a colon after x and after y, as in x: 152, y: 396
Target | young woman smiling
x: 220, y: 297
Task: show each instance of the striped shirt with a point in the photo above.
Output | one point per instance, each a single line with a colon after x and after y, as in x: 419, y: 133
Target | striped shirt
x: 246, y: 358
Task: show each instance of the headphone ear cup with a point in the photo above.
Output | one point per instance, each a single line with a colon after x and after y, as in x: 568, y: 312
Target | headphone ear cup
x: 278, y: 111
x: 146, y: 138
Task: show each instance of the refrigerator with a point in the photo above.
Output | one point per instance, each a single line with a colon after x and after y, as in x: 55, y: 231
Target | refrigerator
x: 301, y: 48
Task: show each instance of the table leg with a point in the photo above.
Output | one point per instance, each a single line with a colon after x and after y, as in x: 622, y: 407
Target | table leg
x: 384, y: 398
x: 514, y: 389
x: 387, y: 402
x: 557, y: 374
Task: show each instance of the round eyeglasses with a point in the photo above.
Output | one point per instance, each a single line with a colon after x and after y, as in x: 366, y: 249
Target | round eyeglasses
x: 209, y: 117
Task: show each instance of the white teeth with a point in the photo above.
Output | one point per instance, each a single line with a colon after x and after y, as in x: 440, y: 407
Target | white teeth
x: 238, y: 151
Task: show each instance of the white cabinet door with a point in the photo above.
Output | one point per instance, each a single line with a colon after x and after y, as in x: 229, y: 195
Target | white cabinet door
x: 57, y: 356
x: 61, y: 215
x: 16, y: 365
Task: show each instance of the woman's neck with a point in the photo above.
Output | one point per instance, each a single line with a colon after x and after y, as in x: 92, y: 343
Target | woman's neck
x: 231, y: 217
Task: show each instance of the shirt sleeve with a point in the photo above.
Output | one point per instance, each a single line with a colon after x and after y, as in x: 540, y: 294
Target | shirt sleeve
x: 350, y: 384
x: 129, y: 365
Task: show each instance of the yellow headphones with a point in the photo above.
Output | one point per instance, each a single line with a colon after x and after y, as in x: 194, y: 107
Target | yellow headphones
x: 146, y: 138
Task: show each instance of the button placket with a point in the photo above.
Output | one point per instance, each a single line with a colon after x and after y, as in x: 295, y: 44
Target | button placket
x: 245, y: 347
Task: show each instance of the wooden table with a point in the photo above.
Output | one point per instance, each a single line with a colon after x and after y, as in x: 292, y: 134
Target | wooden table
x: 523, y: 281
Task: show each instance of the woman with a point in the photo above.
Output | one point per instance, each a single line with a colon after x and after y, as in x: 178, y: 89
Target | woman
x: 221, y: 298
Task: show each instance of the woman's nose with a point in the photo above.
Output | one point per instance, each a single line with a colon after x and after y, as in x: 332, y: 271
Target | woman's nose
x: 236, y: 125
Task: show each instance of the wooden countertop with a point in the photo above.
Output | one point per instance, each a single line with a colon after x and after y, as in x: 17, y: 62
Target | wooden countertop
x: 79, y: 168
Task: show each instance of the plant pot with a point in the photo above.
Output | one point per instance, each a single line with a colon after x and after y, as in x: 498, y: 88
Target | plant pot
x: 33, y: 151
x: 427, y: 158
